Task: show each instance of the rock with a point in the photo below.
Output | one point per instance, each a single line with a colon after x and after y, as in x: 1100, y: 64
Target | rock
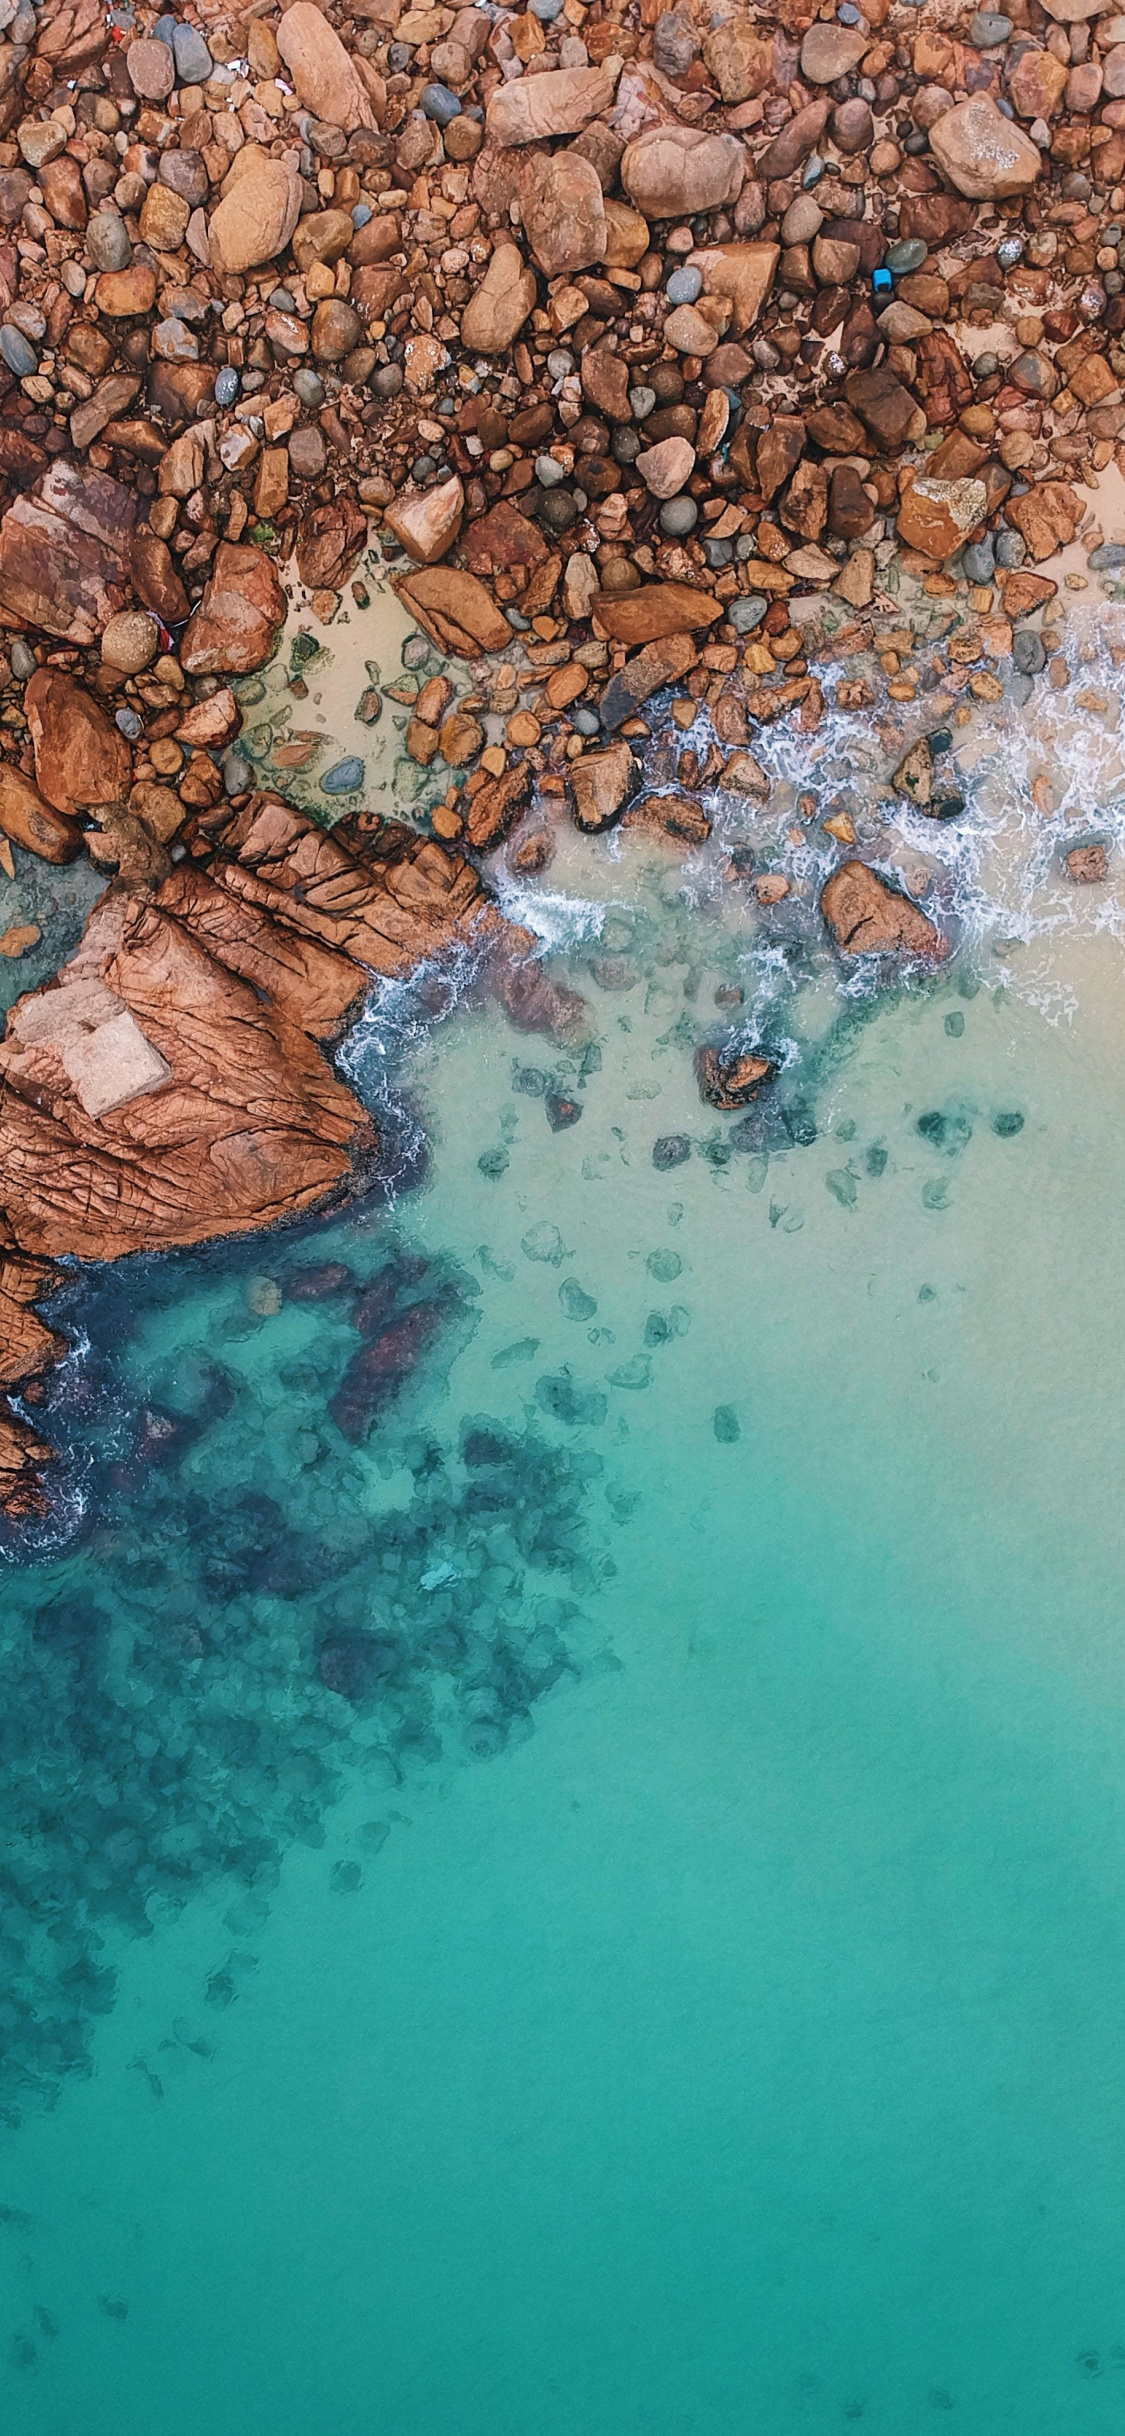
x: 654, y: 611
x: 64, y: 193
x: 329, y: 543
x: 325, y: 79
x: 123, y: 294
x: 194, y: 63
x: 745, y: 273
x: 498, y: 310
x: 627, y: 235
x: 672, y: 172
x: 258, y: 212
x: 677, y: 818
x: 164, y: 219
x: 131, y: 641
x: 563, y: 213
x: 1073, y: 12
x: 501, y: 540
x: 211, y: 723
x: 982, y: 153
x: 605, y: 381
x: 666, y: 468
x: 795, y: 142
x: 731, y: 1080
x: 240, y: 616
x: 427, y: 522
x: 744, y: 775
x: 1036, y: 84
x: 780, y: 449
x: 660, y: 663
x: 600, y: 784
x: 81, y: 758
x: 831, y: 51
x: 64, y: 552
x: 336, y: 330
x: 1087, y: 864
x: 322, y: 236
x: 1047, y: 516
x: 31, y: 822
x: 739, y: 58
x: 156, y: 579
x: 883, y: 405
x: 455, y: 610
x: 850, y: 512
x: 561, y: 102
x: 152, y: 70
x: 868, y: 918
x: 690, y: 332
x: 938, y: 516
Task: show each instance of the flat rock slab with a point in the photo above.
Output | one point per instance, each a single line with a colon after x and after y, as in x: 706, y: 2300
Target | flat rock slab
x: 64, y: 552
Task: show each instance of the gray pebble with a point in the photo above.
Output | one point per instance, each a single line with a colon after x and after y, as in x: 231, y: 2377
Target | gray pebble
x: 24, y: 662
x: 987, y: 30
x: 684, y: 285
x: 1028, y: 653
x: 979, y: 561
x: 238, y: 774
x: 747, y: 612
x: 906, y: 254
x: 643, y: 402
x: 194, y: 63
x: 310, y: 388
x: 440, y: 104
x: 128, y: 723
x: 1107, y: 559
x: 344, y: 777
x: 1011, y: 548
x: 548, y: 471
x: 19, y: 355
x: 1019, y: 689
x: 226, y: 386
x: 388, y: 380
x: 678, y: 517
x: 107, y: 242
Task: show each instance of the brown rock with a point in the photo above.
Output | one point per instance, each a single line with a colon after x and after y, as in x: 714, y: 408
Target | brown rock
x: 31, y: 822
x: 498, y: 310
x: 258, y: 211
x: 563, y: 213
x: 427, y: 522
x: 64, y: 193
x: 739, y: 58
x: 795, y: 142
x: 325, y: 79
x: 240, y: 616
x: 455, y: 610
x: 606, y: 381
x: 336, y: 329
x: 672, y: 172
x: 660, y: 663
x: 81, y: 758
x: 152, y: 72
x: 665, y: 469
x: 322, y: 236
x: 164, y: 219
x: 836, y: 429
x: 131, y: 641
x: 881, y: 402
x: 868, y: 918
x: 745, y: 273
x: 124, y: 293
x: 1036, y: 84
x: 156, y: 579
x: 63, y: 552
x: 495, y: 808
x: 938, y: 517
x: 627, y: 235
x: 675, y: 818
x: 559, y: 103
x: 600, y: 783
x: 1048, y: 516
x: 503, y: 539
x: 804, y: 507
x: 655, y: 610
x: 1022, y: 592
x: 110, y: 399
x: 330, y: 542
x: 1087, y: 864
x: 850, y: 512
x: 831, y: 51
x: 728, y: 1080
x: 780, y: 449
x: 982, y: 153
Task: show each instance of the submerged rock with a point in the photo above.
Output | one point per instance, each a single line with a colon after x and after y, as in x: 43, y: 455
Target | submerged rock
x: 866, y: 917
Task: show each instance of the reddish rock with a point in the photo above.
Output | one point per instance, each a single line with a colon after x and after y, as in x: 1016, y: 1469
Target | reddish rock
x: 868, y: 918
x: 329, y: 542
x: 81, y: 757
x: 240, y: 616
x: 982, y: 153
x: 456, y: 611
x: 31, y: 822
x: 1087, y: 864
x: 653, y: 611
x: 881, y: 402
x: 729, y: 1080
x: 676, y: 818
x: 64, y: 552
x: 502, y: 539
x: 563, y: 213
x: 156, y: 579
x: 1048, y: 516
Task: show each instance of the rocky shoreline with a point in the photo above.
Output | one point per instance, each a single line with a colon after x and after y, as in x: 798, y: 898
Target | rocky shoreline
x: 673, y: 360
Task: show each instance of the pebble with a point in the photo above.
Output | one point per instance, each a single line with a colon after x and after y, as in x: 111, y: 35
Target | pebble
x: 642, y: 402
x: 440, y: 104
x: 194, y: 63
x: 226, y: 386
x: 19, y: 356
x: 24, y: 662
x: 683, y: 286
x: 678, y: 517
x: 124, y: 719
x: 107, y: 242
x: 343, y: 778
x: 310, y: 388
x: 1028, y: 653
x: 548, y: 471
x: 988, y: 30
x: 906, y: 254
x: 1011, y: 548
x: 979, y: 561
x: 747, y: 612
x: 1107, y: 559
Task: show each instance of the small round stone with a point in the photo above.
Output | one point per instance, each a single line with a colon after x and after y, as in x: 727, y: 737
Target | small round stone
x: 226, y: 386
x: 671, y: 1150
x: 194, y: 63
x: 1011, y: 548
x: 906, y: 254
x: 131, y: 641
x: 642, y: 401
x: 678, y: 518
x: 1029, y: 654
x: 238, y: 774
x: 386, y: 382
x: 128, y: 723
x: 548, y: 471
x: 1008, y: 1124
x: 440, y: 104
x: 683, y: 286
x: 1107, y: 559
x: 19, y: 355
x: 560, y: 363
x: 586, y: 721
x: 361, y: 214
x: 546, y: 10
x: 24, y: 662
x: 559, y: 511
x: 747, y: 612
x: 979, y: 561
x: 310, y: 388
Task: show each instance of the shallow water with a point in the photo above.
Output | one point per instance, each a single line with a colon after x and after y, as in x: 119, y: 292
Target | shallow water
x: 598, y: 1909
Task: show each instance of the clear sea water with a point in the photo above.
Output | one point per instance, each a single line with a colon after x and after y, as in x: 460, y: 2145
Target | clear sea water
x: 599, y: 1912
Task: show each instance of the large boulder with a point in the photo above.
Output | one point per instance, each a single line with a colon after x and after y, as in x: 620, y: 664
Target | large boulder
x: 64, y: 552
x: 672, y: 172
x: 867, y: 918
x: 81, y: 757
x: 982, y: 153
x: 240, y: 616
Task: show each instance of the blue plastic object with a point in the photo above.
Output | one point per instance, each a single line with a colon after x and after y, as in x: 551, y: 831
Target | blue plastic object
x: 882, y: 282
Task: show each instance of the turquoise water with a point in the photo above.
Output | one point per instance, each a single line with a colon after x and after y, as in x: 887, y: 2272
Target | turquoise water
x: 598, y: 1910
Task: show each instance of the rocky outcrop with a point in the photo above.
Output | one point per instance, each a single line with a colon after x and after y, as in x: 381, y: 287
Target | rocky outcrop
x: 64, y: 552
x: 867, y: 918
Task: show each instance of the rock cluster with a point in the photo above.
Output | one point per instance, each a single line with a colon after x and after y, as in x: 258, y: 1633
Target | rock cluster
x: 650, y: 347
